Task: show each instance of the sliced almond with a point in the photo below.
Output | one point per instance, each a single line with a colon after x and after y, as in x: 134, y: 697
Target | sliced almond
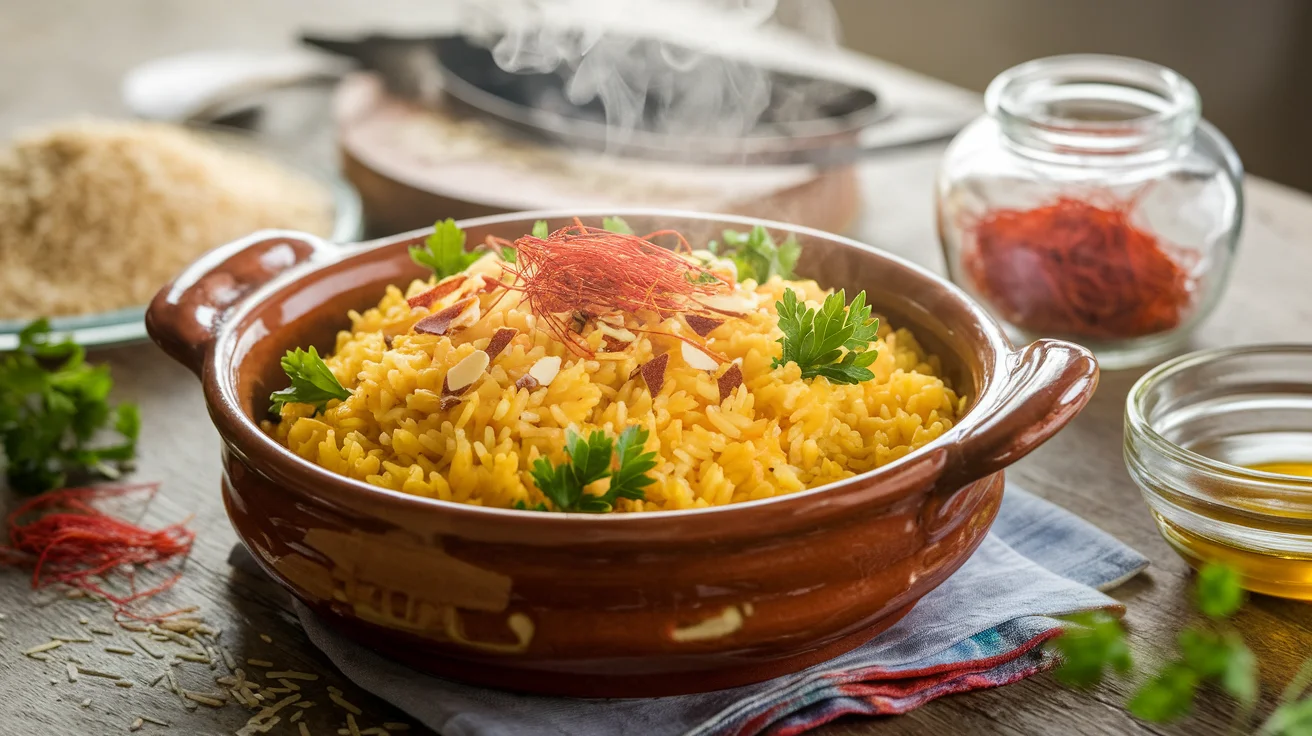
x: 619, y: 333
x: 499, y: 341
x: 445, y: 287
x: 614, y: 320
x: 653, y: 372
x: 528, y: 382
x: 449, y: 319
x: 490, y: 284
x: 544, y: 371
x: 463, y: 374
x: 612, y: 345
x: 702, y: 325
x: 730, y: 380
x: 728, y: 303
x: 695, y: 358
x: 446, y: 403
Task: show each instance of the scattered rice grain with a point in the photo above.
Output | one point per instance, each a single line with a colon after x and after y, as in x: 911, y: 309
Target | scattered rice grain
x: 52, y: 644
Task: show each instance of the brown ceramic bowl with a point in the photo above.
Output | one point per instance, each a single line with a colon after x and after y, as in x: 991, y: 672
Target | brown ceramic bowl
x: 605, y: 605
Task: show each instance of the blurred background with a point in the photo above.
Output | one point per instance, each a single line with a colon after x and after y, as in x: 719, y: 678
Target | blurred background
x: 1250, y: 59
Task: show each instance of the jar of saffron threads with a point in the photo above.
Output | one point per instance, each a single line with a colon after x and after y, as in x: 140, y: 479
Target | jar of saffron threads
x: 1091, y: 202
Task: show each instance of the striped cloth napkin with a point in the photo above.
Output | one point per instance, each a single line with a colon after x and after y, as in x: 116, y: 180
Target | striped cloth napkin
x: 982, y: 628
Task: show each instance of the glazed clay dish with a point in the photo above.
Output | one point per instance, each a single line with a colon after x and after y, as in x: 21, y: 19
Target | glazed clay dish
x: 616, y: 604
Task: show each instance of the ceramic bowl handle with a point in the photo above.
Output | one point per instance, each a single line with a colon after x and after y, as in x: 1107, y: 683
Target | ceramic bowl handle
x: 184, y: 315
x: 1050, y: 383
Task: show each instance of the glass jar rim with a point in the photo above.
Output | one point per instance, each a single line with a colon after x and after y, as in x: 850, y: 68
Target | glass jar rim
x: 1289, y: 488
x: 1021, y: 99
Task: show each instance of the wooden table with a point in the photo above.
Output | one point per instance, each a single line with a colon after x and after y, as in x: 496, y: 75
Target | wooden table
x: 1081, y: 469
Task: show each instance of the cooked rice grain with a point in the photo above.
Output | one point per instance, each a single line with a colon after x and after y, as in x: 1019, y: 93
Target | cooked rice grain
x: 773, y: 435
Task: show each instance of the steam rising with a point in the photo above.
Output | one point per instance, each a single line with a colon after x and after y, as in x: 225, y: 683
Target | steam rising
x: 620, y: 53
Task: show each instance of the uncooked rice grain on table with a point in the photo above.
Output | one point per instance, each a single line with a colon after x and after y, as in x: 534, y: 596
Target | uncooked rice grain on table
x: 774, y: 434
x: 98, y: 215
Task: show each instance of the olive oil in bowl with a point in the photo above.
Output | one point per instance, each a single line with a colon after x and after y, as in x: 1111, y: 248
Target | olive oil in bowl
x: 1220, y: 442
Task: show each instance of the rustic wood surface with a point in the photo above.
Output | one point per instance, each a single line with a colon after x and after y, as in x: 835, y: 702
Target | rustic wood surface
x: 65, y: 57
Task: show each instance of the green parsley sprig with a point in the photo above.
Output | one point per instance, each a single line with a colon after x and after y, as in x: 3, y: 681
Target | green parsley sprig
x: 1212, y: 653
x: 444, y: 251
x: 312, y: 380
x: 590, y: 461
x: 616, y: 225
x: 833, y: 341
x: 53, y: 406
x: 756, y: 256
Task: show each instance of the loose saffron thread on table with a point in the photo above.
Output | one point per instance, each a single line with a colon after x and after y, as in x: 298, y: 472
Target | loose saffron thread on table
x: 1074, y: 268
x: 68, y: 540
x: 591, y: 271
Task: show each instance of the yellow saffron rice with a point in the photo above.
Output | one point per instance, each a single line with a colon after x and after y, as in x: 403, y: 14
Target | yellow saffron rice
x: 775, y: 433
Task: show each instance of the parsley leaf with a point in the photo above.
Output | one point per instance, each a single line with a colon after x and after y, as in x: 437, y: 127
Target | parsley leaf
x: 53, y: 405
x: 1096, y: 643
x: 1168, y: 695
x: 832, y: 342
x: 312, y: 381
x: 756, y: 256
x: 590, y: 461
x: 616, y: 225
x: 634, y: 464
x: 540, y: 230
x: 1214, y: 654
x: 1218, y: 592
x: 444, y: 251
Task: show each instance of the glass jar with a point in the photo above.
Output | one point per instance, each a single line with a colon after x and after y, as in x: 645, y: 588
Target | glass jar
x: 1092, y: 203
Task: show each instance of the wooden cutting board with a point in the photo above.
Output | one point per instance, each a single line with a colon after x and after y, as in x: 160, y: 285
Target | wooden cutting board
x: 413, y: 166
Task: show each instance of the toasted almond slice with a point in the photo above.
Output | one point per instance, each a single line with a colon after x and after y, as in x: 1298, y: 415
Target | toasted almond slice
x: 450, y: 318
x: 528, y: 382
x: 500, y: 339
x: 695, y: 358
x: 702, y: 325
x: 612, y: 345
x: 730, y: 380
x: 544, y: 371
x: 464, y: 373
x: 619, y: 334
x: 490, y: 285
x: 727, y: 303
x: 653, y: 372
x: 443, y: 288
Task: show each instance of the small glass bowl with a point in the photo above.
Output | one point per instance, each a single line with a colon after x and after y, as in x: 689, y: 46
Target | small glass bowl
x: 1195, y: 426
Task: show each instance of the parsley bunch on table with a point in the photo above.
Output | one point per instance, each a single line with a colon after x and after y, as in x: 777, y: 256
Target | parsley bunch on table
x: 312, y: 380
x: 1207, y: 654
x: 756, y: 256
x: 590, y: 461
x: 444, y: 251
x: 833, y: 341
x: 54, y: 409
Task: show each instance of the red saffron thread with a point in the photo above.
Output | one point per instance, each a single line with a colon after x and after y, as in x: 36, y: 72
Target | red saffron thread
x: 1072, y: 268
x: 68, y: 540
x: 590, y: 271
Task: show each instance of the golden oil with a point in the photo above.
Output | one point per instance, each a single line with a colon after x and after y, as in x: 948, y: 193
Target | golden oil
x: 1263, y: 572
x: 1302, y: 469
x: 1288, y: 575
